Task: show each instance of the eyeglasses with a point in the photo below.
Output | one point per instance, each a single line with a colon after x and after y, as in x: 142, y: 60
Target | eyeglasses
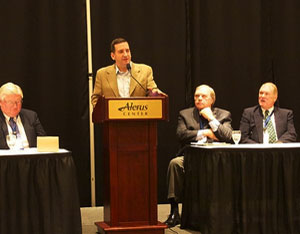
x: 11, y: 103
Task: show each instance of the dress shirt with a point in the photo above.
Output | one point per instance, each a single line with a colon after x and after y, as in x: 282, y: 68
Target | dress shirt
x: 123, y: 79
x: 272, y: 119
x: 22, y: 133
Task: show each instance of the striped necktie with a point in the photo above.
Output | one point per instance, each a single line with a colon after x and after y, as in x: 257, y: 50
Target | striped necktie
x: 14, y: 126
x: 270, y: 127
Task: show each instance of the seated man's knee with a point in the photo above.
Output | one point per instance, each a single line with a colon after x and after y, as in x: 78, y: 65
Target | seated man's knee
x: 176, y: 162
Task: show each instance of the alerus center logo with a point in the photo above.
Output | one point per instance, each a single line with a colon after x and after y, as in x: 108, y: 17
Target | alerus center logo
x: 132, y: 110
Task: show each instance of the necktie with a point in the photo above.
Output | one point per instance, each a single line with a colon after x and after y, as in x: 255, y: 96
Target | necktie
x: 270, y: 127
x: 13, y: 126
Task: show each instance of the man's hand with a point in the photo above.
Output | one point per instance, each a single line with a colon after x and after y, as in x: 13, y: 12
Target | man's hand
x: 207, y: 113
x: 209, y: 134
x: 155, y: 92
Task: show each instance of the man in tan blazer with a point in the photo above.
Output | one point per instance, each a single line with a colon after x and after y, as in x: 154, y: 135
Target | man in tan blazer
x: 124, y: 78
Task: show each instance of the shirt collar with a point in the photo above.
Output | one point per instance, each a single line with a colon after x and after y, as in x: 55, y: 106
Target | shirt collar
x: 118, y: 70
x: 7, y: 117
x: 270, y: 110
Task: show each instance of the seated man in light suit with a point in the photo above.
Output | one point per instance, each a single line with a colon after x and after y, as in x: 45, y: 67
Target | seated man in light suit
x: 203, y: 123
x: 15, y: 120
x: 124, y: 78
x: 266, y: 123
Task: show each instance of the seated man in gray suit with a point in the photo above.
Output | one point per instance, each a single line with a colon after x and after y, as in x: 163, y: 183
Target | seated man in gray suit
x: 203, y: 123
x: 15, y: 120
x: 124, y: 78
x: 266, y: 123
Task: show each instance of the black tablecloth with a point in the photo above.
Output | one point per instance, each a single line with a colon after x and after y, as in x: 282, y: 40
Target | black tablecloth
x: 249, y: 191
x: 39, y: 195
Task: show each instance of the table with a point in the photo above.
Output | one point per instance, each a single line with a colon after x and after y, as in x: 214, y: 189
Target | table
x: 38, y: 193
x: 249, y: 189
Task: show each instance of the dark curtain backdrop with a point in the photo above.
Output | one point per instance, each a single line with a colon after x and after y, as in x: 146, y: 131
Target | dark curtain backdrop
x: 43, y: 49
x: 234, y: 46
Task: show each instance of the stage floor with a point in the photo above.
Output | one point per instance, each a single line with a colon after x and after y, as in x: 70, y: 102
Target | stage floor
x: 90, y: 215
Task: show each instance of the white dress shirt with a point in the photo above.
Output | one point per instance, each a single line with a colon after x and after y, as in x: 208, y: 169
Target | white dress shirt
x: 123, y: 79
x: 272, y: 119
x: 22, y: 135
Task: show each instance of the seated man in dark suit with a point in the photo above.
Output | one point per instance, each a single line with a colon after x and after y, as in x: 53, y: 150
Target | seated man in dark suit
x: 14, y: 120
x: 200, y: 123
x: 266, y: 123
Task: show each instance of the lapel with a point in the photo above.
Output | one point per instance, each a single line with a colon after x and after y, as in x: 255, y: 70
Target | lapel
x: 3, y: 124
x: 111, y: 78
x: 276, y: 118
x: 196, y: 118
x: 258, y: 118
x: 27, y: 128
x: 134, y: 73
x: 214, y: 111
x: 24, y: 122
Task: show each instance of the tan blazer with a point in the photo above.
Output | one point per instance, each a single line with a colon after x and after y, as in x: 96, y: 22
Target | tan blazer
x: 106, y: 81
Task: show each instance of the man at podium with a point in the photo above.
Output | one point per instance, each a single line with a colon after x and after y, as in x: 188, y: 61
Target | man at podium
x: 124, y: 78
x: 202, y: 123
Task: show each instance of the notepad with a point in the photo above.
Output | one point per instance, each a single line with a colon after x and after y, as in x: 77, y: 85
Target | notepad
x: 47, y: 143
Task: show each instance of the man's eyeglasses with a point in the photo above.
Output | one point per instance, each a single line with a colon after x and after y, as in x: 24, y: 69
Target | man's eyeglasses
x: 11, y: 103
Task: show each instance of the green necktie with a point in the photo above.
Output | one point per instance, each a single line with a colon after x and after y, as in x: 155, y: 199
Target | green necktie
x: 270, y: 128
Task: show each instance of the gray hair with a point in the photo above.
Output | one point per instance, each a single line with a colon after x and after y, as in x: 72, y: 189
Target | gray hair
x: 9, y: 89
x: 212, y: 92
x: 274, y: 87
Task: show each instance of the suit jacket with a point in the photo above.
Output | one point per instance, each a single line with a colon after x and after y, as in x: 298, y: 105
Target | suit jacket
x: 189, y: 124
x: 251, y: 125
x: 31, y: 124
x: 106, y: 82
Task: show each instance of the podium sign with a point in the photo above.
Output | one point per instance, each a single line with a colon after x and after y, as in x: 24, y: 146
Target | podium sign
x: 135, y: 109
x: 129, y: 128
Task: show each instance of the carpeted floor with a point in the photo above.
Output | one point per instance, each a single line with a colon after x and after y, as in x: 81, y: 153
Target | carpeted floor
x: 90, y: 215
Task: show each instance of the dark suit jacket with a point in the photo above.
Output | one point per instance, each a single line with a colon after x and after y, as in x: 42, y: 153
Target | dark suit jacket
x: 251, y: 125
x: 31, y: 124
x: 189, y: 124
x: 106, y: 82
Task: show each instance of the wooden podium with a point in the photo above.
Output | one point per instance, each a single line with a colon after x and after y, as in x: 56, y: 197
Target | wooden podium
x: 130, y: 164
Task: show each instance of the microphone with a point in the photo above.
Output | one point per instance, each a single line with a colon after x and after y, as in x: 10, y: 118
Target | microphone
x: 129, y: 69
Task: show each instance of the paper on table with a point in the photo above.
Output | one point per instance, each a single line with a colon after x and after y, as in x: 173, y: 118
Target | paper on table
x: 47, y: 143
